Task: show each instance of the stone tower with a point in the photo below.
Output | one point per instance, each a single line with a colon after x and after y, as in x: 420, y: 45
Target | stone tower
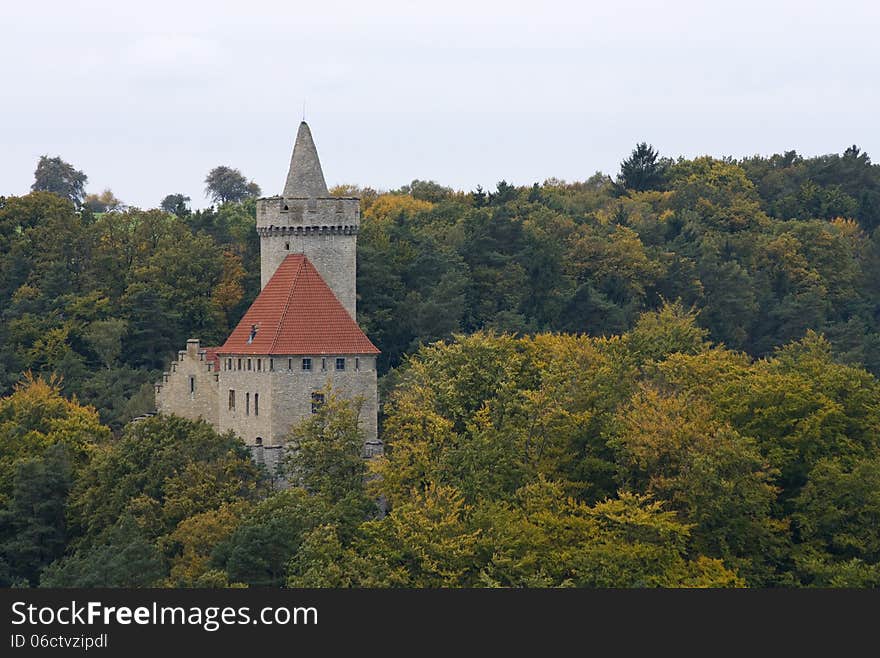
x: 299, y: 335
x: 305, y: 219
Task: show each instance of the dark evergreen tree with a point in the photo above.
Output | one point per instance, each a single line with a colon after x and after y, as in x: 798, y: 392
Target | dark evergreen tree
x: 642, y: 170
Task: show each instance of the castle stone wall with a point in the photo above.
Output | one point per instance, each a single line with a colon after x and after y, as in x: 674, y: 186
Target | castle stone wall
x: 293, y: 390
x: 285, y: 393
x: 189, y: 388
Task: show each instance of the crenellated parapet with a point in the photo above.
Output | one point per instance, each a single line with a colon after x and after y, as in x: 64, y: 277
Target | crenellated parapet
x: 295, y: 211
x: 271, y: 231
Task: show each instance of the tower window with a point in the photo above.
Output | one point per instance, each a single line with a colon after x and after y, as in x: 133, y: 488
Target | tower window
x: 307, y: 364
x: 340, y: 363
x: 259, y: 440
x: 247, y: 404
x: 256, y: 404
x: 231, y: 399
x: 249, y: 364
x: 317, y: 401
x: 286, y: 246
x: 192, y: 385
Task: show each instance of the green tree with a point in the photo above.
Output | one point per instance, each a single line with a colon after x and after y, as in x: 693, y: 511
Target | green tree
x: 167, y: 468
x: 227, y: 185
x: 33, y: 530
x: 326, y: 450
x: 258, y: 551
x: 123, y: 557
x: 642, y: 170
x: 673, y: 449
x: 176, y: 204
x: 105, y: 338
x: 59, y: 177
x: 837, y: 514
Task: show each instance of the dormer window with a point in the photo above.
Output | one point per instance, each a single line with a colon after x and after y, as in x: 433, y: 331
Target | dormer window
x: 253, y: 334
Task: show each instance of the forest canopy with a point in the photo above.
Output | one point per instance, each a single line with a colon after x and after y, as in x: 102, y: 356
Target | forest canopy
x: 668, y: 378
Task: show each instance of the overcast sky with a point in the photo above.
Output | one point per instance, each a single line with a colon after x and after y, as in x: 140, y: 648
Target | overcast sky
x: 147, y: 97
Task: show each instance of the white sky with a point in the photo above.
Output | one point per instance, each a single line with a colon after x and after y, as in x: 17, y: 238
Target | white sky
x: 146, y: 97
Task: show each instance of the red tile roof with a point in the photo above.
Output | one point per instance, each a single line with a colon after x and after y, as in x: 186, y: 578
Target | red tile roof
x: 297, y: 313
x: 211, y: 356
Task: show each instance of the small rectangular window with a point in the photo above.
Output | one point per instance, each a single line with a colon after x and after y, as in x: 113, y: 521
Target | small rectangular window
x: 340, y: 363
x: 231, y: 400
x: 260, y: 365
x: 249, y: 364
x: 323, y: 364
x: 307, y: 364
x: 192, y: 384
x: 271, y: 365
x: 357, y: 363
x: 239, y: 364
x: 256, y: 404
x: 247, y: 404
x: 317, y: 401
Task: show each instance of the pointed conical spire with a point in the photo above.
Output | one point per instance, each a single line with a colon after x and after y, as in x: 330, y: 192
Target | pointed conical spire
x: 305, y: 178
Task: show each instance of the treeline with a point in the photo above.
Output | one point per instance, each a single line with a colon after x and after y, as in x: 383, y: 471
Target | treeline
x: 668, y: 378
x: 764, y: 248
x: 653, y: 458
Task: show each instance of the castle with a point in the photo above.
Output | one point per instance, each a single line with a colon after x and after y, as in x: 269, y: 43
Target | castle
x: 298, y: 336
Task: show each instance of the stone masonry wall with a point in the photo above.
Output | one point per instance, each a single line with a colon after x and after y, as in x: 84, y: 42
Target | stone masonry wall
x: 189, y: 388
x: 286, y: 393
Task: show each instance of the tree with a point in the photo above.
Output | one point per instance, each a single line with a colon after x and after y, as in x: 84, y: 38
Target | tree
x: 838, y: 513
x: 106, y: 201
x: 36, y: 417
x: 427, y: 190
x: 33, y: 530
x: 105, y: 339
x: 642, y: 170
x: 59, y: 177
x: 227, y: 185
x: 327, y: 453
x: 124, y: 557
x: 259, y: 549
x: 166, y: 468
x: 193, y: 541
x: 176, y: 204
x: 671, y: 448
